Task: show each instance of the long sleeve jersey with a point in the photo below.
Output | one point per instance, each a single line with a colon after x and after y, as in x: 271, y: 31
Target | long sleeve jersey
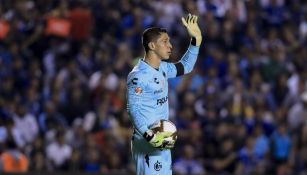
x: 147, y: 89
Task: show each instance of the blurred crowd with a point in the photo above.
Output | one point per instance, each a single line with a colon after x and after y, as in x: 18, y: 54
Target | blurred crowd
x: 243, y: 110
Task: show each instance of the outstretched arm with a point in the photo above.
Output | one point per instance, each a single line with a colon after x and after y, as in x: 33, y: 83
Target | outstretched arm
x: 188, y: 60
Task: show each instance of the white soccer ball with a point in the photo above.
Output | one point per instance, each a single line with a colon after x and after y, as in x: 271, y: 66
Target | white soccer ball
x: 165, y: 126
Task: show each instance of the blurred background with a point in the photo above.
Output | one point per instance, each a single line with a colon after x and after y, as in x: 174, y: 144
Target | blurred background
x: 63, y: 68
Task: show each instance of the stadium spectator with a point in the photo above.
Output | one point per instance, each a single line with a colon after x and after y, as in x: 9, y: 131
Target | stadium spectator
x: 187, y: 164
x: 250, y: 78
x: 12, y: 160
x: 58, y: 153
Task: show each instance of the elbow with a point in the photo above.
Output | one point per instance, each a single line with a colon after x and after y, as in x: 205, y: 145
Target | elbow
x: 188, y: 69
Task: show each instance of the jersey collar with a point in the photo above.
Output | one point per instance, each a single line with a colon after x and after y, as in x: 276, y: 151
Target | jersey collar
x: 144, y: 65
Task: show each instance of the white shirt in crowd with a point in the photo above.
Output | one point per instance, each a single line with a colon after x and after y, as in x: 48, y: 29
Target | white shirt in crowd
x: 58, y: 154
x: 28, y: 127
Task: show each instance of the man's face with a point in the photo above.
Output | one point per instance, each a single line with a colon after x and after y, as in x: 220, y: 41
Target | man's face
x: 163, y: 47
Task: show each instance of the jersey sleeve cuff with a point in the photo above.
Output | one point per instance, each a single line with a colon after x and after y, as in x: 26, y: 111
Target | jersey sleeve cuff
x: 143, y: 129
x: 193, y: 49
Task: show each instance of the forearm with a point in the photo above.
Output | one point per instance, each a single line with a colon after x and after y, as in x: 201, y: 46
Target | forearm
x: 138, y: 121
x: 189, y: 58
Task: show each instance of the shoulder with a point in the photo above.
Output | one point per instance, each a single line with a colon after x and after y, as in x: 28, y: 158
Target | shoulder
x: 165, y: 64
x: 138, y: 76
x: 168, y: 68
x: 138, y: 72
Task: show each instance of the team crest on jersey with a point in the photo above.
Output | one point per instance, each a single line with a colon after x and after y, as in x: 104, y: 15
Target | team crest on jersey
x: 138, y: 90
x: 158, y: 166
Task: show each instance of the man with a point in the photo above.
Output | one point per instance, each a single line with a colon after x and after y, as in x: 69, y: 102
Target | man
x: 12, y: 160
x: 147, y: 93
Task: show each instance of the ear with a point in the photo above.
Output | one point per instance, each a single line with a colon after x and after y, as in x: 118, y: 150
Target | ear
x: 151, y: 45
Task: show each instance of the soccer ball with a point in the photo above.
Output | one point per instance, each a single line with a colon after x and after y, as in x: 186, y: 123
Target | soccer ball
x: 165, y: 126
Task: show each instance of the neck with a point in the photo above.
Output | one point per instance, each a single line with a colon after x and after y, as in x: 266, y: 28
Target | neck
x: 152, y: 60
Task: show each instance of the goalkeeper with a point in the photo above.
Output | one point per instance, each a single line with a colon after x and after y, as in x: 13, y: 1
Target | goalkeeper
x: 147, y: 95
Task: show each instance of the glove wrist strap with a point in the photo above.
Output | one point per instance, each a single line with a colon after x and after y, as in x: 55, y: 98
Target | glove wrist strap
x: 148, y: 135
x: 193, y: 41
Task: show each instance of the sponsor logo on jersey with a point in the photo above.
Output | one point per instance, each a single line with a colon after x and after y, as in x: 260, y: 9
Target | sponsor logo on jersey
x: 156, y: 80
x: 134, y: 81
x: 158, y: 91
x: 138, y: 90
x: 161, y: 101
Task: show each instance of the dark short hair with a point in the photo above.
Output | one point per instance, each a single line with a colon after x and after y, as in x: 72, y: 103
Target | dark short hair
x: 151, y: 34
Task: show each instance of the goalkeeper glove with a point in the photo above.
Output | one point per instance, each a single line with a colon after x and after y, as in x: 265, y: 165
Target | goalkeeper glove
x: 193, y: 29
x: 169, y: 143
x: 158, y: 140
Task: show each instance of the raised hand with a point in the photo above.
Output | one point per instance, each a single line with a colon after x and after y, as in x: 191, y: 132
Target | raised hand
x: 192, y: 27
